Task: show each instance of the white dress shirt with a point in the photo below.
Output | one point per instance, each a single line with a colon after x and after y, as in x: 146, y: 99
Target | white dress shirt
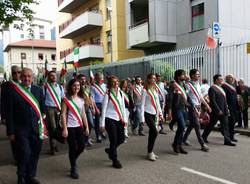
x: 108, y: 109
x: 147, y: 105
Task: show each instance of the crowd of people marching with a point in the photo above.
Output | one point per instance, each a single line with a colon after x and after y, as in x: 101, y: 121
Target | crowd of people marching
x: 115, y: 109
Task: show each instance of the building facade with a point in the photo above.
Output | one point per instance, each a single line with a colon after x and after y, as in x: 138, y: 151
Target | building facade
x: 97, y: 27
x: 32, y: 54
x: 164, y: 25
x: 37, y: 29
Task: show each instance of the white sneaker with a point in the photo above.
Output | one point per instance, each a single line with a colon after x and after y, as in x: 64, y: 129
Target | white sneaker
x: 151, y: 156
x: 156, y: 156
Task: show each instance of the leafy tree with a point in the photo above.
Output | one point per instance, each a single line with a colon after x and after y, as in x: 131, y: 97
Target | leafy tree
x: 15, y: 10
x: 1, y: 69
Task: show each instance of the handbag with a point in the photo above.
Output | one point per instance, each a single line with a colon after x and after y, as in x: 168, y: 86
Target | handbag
x: 57, y: 134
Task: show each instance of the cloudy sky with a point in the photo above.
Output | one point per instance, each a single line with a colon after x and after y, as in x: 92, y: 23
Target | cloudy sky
x: 46, y: 9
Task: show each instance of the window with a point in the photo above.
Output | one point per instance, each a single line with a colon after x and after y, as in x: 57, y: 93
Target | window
x: 41, y: 36
x: 23, y: 56
x: 197, y: 17
x: 22, y: 36
x: 53, y: 57
x: 109, y: 41
x: 95, y: 40
x: 40, y: 56
x: 108, y: 10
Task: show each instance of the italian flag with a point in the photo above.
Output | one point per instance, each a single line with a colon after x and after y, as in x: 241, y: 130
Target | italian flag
x: 76, y: 57
x: 210, y: 41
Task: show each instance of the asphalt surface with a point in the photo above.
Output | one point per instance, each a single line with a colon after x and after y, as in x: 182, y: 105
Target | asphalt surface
x: 222, y: 164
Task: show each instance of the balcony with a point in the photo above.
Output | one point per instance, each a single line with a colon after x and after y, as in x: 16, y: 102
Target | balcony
x: 139, y: 34
x: 83, y: 23
x: 86, y: 52
x: 68, y: 6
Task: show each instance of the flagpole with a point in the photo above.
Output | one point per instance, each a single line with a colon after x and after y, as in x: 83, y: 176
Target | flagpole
x: 218, y: 42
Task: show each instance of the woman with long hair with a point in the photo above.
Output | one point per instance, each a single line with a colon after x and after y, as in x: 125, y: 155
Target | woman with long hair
x: 129, y: 105
x: 113, y: 118
x: 74, y: 123
x: 151, y: 113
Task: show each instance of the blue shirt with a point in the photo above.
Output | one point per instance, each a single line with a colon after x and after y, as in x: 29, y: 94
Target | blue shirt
x: 48, y: 99
x: 96, y: 95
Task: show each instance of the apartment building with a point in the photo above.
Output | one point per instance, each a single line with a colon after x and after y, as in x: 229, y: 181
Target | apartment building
x: 97, y: 27
x: 163, y: 25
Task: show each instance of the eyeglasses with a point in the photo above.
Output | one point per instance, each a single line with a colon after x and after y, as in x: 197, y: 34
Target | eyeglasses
x: 16, y: 72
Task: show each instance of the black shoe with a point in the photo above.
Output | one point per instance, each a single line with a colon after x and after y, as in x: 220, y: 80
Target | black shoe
x: 162, y: 132
x: 73, y: 173
x: 52, y: 151
x: 229, y: 144
x: 116, y: 164
x: 56, y: 149
x: 171, y: 127
x: 182, y: 151
x: 141, y: 134
x: 21, y: 180
x: 175, y: 148
x: 234, y: 140
x: 99, y: 139
x: 33, y: 180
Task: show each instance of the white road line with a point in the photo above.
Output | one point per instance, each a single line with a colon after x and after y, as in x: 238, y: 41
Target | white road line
x: 207, y: 176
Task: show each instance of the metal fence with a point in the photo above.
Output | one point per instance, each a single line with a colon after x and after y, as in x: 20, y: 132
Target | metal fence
x: 228, y: 59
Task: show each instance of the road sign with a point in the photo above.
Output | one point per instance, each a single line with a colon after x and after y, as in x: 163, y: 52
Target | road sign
x: 216, y: 29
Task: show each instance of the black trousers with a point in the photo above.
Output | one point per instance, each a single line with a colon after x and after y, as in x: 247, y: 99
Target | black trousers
x: 231, y: 123
x: 97, y: 121
x: 28, y: 150
x: 193, y: 123
x: 76, y: 144
x: 115, y: 130
x: 150, y: 121
x: 14, y: 149
x: 245, y: 118
x: 224, y: 127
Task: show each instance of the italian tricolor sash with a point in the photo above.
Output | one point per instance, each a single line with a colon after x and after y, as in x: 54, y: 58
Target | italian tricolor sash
x: 117, y: 105
x: 99, y: 89
x: 126, y: 97
x: 54, y: 95
x: 74, y: 109
x: 194, y: 90
x: 153, y: 99
x: 29, y: 97
x: 230, y: 87
x: 137, y: 91
x: 219, y: 89
x: 180, y: 90
x: 159, y: 90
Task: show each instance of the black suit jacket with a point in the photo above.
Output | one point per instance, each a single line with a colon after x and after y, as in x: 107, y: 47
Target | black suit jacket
x: 21, y: 118
x: 217, y: 101
x: 231, y: 98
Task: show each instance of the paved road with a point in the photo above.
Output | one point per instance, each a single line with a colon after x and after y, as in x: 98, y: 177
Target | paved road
x: 221, y: 165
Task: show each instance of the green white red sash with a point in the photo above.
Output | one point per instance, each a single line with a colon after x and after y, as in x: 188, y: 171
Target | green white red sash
x: 220, y: 90
x: 74, y: 109
x: 194, y: 90
x: 159, y: 90
x: 230, y: 87
x: 126, y: 97
x: 99, y: 89
x: 117, y: 105
x: 180, y: 90
x: 137, y: 92
x: 153, y: 99
x: 54, y: 95
x: 29, y: 97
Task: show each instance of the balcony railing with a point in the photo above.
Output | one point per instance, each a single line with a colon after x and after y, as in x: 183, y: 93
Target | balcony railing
x: 69, y: 6
x: 138, y: 23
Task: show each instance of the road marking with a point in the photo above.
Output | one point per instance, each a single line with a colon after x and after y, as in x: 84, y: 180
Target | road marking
x: 207, y: 176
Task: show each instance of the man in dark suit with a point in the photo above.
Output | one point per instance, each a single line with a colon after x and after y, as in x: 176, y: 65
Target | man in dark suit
x: 22, y: 126
x: 218, y: 104
x: 5, y: 91
x: 231, y: 93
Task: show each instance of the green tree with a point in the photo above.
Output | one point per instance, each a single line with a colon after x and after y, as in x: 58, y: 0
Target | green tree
x: 1, y: 69
x: 15, y: 10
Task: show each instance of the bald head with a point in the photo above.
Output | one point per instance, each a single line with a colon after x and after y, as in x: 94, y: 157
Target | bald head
x: 26, y: 77
x: 230, y: 79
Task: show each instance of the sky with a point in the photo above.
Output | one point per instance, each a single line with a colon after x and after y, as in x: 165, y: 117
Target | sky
x: 46, y: 9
